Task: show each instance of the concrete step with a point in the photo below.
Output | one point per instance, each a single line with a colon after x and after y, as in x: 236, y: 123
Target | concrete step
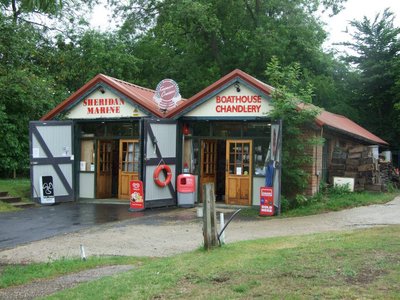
x: 23, y: 204
x: 10, y: 199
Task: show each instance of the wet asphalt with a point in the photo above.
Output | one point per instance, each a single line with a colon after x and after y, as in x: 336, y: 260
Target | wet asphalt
x: 37, y: 223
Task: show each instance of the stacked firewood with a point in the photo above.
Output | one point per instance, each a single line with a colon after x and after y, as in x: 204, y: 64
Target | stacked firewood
x: 385, y: 170
x: 358, y: 163
x: 337, y: 167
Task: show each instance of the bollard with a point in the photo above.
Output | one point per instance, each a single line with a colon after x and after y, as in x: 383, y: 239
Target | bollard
x: 221, y: 225
x: 83, y: 255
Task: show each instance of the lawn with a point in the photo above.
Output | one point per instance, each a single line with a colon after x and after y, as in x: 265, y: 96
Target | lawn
x: 359, y: 264
x: 16, y: 188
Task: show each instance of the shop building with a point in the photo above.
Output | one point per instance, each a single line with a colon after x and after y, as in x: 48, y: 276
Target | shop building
x: 110, y: 132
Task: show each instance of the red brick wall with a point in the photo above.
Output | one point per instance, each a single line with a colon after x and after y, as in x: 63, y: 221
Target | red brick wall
x: 314, y: 169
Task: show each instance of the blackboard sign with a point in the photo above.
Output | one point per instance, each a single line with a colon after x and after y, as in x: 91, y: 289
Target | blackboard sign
x: 46, y: 190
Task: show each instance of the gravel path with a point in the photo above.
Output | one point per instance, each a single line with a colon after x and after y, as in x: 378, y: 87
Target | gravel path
x: 174, y: 232
x: 182, y: 232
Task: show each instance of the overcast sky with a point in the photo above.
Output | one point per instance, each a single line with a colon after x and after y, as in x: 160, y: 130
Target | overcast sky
x: 354, y: 9
x: 357, y: 9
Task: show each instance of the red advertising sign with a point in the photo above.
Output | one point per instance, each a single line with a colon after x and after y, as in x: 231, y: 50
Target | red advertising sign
x: 136, y: 195
x: 266, y: 201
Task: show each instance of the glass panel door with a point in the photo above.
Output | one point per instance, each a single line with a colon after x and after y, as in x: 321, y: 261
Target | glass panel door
x: 129, y: 152
x: 239, y: 173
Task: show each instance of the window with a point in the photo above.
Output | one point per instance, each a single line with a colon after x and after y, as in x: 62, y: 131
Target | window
x: 87, y: 155
x: 110, y: 129
x: 260, y: 154
x: 227, y: 129
x: 122, y: 129
x: 262, y: 130
x: 92, y: 129
x: 200, y: 128
x: 239, y: 158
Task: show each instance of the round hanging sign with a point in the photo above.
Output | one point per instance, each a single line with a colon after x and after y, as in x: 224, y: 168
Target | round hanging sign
x: 167, y: 94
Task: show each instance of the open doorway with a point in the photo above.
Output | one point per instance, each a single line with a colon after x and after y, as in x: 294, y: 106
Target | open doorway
x: 212, y: 169
x: 221, y: 169
x: 117, y: 164
x: 230, y: 171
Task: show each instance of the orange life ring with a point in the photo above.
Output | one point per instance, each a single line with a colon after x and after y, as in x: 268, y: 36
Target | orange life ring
x: 157, y: 173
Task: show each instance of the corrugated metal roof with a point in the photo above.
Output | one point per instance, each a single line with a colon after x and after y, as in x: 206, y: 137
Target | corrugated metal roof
x: 139, y: 95
x: 345, y: 125
x: 235, y: 74
x: 144, y: 97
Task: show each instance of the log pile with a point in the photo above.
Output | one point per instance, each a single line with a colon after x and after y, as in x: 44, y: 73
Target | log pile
x: 358, y: 162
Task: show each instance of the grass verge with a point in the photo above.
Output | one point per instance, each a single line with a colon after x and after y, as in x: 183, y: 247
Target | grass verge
x: 351, y: 265
x: 336, y: 202
x: 20, y: 274
x: 16, y: 188
x: 325, y: 203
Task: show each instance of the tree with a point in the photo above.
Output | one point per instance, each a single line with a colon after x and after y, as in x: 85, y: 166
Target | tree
x: 68, y: 17
x: 19, y: 8
x: 377, y: 49
x: 197, y: 42
x: 335, y: 88
x: 74, y: 62
x: 289, y: 93
x: 27, y: 91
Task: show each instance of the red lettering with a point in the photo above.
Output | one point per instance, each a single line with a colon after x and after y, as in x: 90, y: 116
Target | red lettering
x: 236, y: 108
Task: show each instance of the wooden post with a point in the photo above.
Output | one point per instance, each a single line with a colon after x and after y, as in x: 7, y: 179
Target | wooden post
x: 209, y: 217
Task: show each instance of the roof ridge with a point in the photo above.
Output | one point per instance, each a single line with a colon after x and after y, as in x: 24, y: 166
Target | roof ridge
x: 341, y: 116
x: 129, y: 83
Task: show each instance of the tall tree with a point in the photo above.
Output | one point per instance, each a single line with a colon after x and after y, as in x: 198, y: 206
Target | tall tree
x: 66, y: 16
x: 377, y: 49
x: 27, y: 90
x: 76, y: 61
x: 18, y: 8
x: 290, y: 92
x: 197, y: 41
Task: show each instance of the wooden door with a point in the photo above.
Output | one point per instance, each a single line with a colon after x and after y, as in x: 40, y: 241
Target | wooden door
x: 238, y: 172
x: 128, y: 166
x: 104, y: 169
x: 208, y: 168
